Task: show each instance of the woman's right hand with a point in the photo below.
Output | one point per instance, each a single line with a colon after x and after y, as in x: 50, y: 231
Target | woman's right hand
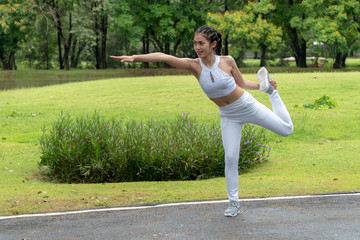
x: 123, y: 58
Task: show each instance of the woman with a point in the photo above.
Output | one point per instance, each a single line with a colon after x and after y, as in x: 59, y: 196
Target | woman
x: 222, y: 82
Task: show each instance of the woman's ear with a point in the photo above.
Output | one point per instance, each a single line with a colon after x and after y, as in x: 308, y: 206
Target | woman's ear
x: 213, y: 44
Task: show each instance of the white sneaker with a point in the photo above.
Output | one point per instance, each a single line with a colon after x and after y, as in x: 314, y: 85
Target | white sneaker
x: 264, y: 79
x: 233, y: 209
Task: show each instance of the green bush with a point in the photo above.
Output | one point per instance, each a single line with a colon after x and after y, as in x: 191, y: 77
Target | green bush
x: 91, y: 149
x: 324, y: 102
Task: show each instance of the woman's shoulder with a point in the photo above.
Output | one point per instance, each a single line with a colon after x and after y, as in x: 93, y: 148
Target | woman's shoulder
x: 229, y: 60
x: 195, y: 61
x: 190, y: 60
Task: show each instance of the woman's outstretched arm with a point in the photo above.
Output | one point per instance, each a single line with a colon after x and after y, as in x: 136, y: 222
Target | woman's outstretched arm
x: 185, y: 63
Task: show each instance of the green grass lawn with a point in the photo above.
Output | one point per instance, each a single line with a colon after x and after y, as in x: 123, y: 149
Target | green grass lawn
x: 322, y: 155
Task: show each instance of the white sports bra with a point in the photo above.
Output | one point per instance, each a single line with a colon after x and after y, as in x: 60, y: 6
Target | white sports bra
x: 220, y: 84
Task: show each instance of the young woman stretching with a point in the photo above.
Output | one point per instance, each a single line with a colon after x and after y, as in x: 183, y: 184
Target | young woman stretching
x: 222, y: 82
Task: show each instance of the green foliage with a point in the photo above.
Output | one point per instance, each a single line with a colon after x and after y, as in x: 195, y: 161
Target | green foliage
x: 139, y: 26
x: 325, y: 102
x: 250, y: 28
x: 333, y: 23
x: 167, y: 24
x: 14, y: 21
x: 254, y: 25
x: 90, y: 149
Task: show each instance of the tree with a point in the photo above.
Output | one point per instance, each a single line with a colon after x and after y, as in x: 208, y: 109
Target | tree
x: 124, y: 34
x: 100, y: 13
x: 231, y: 5
x: 40, y: 45
x: 290, y: 15
x: 61, y: 15
x: 249, y: 28
x: 266, y: 35
x: 334, y: 23
x: 187, y: 18
x: 15, y: 18
x: 83, y: 33
x: 167, y: 25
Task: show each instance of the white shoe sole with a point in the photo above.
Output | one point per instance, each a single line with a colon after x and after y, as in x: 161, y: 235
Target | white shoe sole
x: 264, y: 79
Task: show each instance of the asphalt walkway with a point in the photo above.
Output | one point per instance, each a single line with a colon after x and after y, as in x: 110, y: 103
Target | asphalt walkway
x: 330, y: 216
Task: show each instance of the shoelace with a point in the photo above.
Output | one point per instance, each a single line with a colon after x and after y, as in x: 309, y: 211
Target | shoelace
x: 233, y: 204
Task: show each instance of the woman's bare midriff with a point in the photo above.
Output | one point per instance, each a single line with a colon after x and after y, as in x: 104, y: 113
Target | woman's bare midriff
x: 230, y: 98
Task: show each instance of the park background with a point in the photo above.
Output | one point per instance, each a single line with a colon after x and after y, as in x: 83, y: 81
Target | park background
x: 40, y: 40
x: 56, y: 34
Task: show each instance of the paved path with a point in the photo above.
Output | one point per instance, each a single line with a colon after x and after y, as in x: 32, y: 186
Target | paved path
x: 332, y: 216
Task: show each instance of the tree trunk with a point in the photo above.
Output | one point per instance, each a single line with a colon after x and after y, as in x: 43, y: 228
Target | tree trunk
x: 340, y: 59
x: 97, y: 38
x: 343, y: 59
x: 263, y: 55
x: 67, y: 45
x: 47, y: 55
x: 167, y: 48
x: 226, y: 39
x: 58, y: 29
x: 226, y: 45
x: 145, y: 41
x: 97, y: 53
x: 73, y: 52
x: 299, y: 48
x: 302, y: 56
x: 104, y: 25
x: 167, y: 51
x: 176, y: 45
x: 337, y: 61
x: 11, y: 62
x: 157, y: 42
x: 2, y: 58
x: 297, y: 43
x: 78, y: 52
x: 60, y: 52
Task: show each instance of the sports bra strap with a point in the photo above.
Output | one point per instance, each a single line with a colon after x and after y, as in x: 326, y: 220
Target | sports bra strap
x: 215, y: 65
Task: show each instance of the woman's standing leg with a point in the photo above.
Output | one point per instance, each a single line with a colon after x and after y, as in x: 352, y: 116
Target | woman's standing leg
x: 231, y: 137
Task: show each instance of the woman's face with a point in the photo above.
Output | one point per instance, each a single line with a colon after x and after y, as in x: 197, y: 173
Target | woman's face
x: 202, y: 46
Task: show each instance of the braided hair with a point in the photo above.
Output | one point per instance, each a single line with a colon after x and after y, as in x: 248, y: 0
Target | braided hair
x: 211, y: 35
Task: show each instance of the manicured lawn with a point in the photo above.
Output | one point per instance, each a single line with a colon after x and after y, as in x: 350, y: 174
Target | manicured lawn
x: 322, y: 155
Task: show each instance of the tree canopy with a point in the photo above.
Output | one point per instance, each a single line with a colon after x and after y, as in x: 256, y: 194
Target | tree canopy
x: 68, y: 34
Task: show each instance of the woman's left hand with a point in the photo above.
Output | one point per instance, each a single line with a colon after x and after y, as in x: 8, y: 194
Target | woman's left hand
x: 273, y: 83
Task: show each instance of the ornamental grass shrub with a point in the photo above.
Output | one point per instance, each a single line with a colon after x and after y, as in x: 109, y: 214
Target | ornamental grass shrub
x: 92, y: 149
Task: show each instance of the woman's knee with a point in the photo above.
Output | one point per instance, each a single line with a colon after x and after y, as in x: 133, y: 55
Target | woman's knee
x: 231, y: 160
x: 288, y: 131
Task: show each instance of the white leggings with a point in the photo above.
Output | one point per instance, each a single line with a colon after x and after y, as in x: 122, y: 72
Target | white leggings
x: 248, y: 110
